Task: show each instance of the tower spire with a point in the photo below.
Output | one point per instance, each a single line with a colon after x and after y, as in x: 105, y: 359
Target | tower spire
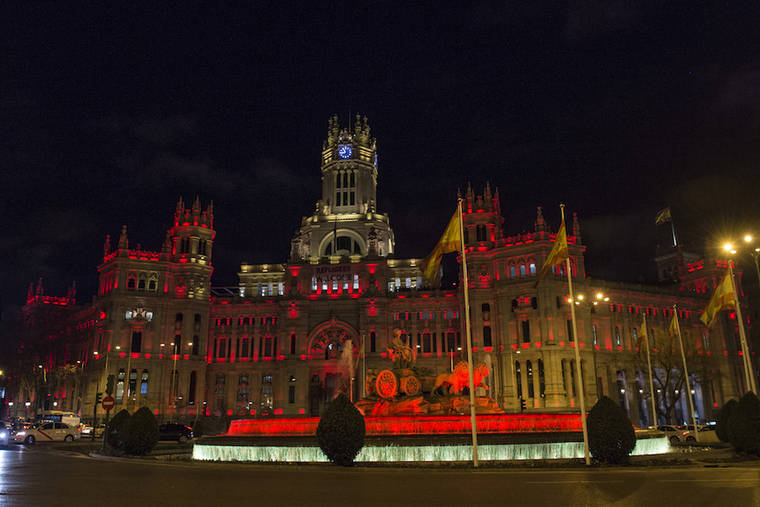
x: 540, y: 224
x: 107, y: 246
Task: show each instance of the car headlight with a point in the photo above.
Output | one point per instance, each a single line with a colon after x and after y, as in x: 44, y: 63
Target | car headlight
x: 3, y: 434
x: 21, y: 433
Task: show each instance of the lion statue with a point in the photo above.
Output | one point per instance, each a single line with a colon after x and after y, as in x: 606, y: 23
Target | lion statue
x: 458, y: 379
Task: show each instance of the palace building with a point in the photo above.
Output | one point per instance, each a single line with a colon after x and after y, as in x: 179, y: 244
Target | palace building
x: 292, y: 333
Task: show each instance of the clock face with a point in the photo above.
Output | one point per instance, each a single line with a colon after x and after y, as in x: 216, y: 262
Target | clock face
x: 345, y: 151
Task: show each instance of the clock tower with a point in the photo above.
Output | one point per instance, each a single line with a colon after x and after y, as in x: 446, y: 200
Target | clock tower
x: 345, y: 221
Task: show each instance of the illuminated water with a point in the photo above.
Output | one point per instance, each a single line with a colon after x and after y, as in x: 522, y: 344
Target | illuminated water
x: 391, y: 453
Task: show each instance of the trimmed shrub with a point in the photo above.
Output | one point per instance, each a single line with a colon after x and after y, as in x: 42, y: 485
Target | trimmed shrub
x: 723, y: 424
x: 611, y: 436
x: 116, y: 430
x: 341, y: 431
x: 744, y: 425
x: 142, y: 432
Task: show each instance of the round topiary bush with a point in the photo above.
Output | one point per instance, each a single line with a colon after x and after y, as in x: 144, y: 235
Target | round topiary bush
x: 116, y: 430
x: 722, y: 420
x: 142, y: 432
x: 744, y: 425
x: 341, y: 431
x: 611, y: 436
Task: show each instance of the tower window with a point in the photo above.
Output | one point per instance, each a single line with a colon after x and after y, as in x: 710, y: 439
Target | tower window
x: 337, y: 198
x: 353, y: 198
x: 487, y: 341
x: 353, y: 180
x: 337, y: 180
x: 481, y: 232
x: 345, y: 180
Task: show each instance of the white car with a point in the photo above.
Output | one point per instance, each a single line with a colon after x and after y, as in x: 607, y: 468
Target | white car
x: 46, y: 432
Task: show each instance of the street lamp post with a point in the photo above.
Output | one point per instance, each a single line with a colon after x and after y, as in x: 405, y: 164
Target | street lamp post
x: 748, y: 371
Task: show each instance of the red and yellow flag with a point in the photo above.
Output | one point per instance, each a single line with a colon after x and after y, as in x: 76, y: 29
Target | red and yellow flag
x: 558, y: 253
x: 663, y: 216
x: 722, y: 299
x: 450, y: 242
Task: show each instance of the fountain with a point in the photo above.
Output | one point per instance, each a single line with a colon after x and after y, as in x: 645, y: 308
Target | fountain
x: 404, y: 424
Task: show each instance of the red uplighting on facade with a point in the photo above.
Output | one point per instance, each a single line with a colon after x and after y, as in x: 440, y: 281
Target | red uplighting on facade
x: 415, y: 425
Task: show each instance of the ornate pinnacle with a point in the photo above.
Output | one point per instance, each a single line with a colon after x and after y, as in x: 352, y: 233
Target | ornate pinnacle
x: 123, y: 241
x: 576, y: 228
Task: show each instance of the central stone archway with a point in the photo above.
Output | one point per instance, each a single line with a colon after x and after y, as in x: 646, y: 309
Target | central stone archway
x: 327, y: 340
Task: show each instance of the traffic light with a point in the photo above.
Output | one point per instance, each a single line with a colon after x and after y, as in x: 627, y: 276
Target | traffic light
x: 98, y: 398
x: 109, y: 385
x: 523, y: 405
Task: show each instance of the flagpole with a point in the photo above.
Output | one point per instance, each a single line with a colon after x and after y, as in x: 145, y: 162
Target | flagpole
x: 579, y: 372
x: 686, y: 373
x: 468, y: 333
x: 743, y: 337
x: 649, y: 366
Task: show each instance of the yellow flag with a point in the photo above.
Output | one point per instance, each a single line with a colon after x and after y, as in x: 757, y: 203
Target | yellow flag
x: 449, y: 242
x: 673, y: 328
x: 558, y: 253
x: 643, y: 334
x: 663, y: 216
x: 722, y: 299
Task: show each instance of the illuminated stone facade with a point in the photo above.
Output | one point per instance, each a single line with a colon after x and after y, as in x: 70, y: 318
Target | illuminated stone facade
x: 273, y: 344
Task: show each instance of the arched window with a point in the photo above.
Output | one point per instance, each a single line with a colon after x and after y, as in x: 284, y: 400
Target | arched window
x: 153, y: 284
x: 141, y: 282
x: 144, y: 383
x: 512, y: 272
x: 353, y: 179
x: 518, y: 380
x: 337, y: 180
x: 531, y: 391
x: 481, y: 232
x: 533, y: 268
x: 131, y: 283
x: 618, y: 341
x: 522, y: 270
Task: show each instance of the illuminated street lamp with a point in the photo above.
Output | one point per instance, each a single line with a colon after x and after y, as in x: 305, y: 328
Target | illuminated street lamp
x: 746, y: 358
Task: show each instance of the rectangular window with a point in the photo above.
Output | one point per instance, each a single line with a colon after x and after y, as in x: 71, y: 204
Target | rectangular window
x: 337, y: 198
x: 426, y: 342
x: 136, y: 341
x: 345, y: 198
x: 222, y: 348
x: 372, y: 342
x: 569, y: 330
x: 525, y: 331
x: 512, y: 272
x: 291, y: 394
x: 487, y: 342
x: 352, y: 195
x: 356, y: 282
x: 144, y: 383
x: 244, y: 347
x: 196, y: 344
x: 292, y: 344
x: 268, y: 346
x: 132, y: 383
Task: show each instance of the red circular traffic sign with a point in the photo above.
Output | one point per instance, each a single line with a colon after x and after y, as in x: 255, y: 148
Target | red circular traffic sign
x: 107, y: 403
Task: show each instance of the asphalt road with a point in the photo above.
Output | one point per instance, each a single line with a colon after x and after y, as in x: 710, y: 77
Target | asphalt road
x: 42, y: 476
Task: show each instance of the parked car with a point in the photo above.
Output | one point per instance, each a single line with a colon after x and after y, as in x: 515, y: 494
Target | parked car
x: 707, y: 434
x: 175, y: 431
x: 673, y: 433
x: 88, y: 431
x: 46, y: 432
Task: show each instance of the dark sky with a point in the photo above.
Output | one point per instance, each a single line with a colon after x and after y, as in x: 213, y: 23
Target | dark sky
x: 617, y: 108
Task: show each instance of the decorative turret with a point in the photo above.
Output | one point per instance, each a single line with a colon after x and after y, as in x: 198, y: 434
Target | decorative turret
x: 30, y: 292
x: 107, y: 246
x: 540, y: 224
x: 482, y: 217
x: 40, y: 289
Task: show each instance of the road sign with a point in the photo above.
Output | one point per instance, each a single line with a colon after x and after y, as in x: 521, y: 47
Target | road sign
x: 107, y: 403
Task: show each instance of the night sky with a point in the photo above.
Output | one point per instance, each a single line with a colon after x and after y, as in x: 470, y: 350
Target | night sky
x: 617, y: 108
